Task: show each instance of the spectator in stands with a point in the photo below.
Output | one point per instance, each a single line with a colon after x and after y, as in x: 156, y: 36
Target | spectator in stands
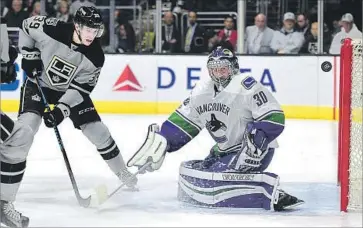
x: 259, y: 36
x: 126, y: 39
x: 16, y: 14
x: 170, y: 35
x: 336, y: 27
x: 228, y: 33
x: 116, y: 16
x: 28, y: 5
x: 212, y: 38
x: 348, y: 30
x: 194, y: 38
x: 120, y: 17
x: 287, y: 40
x: 35, y: 8
x: 78, y: 3
x: 311, y: 43
x: 63, y: 11
x: 302, y: 25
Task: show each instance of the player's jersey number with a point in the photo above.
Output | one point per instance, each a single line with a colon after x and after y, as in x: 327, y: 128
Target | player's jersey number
x: 37, y: 22
x: 260, y: 98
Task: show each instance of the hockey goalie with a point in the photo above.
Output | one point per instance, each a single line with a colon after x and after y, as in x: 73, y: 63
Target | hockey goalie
x: 244, y: 119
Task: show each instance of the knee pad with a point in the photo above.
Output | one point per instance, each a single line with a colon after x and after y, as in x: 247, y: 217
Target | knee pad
x: 98, y: 133
x: 17, y: 147
x: 226, y: 189
x: 30, y: 119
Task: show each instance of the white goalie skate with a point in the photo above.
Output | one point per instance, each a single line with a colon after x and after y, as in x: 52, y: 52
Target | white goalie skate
x: 11, y: 217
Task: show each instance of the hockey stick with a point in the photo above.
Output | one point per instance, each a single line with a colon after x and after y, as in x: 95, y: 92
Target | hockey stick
x: 102, y: 193
x: 84, y: 202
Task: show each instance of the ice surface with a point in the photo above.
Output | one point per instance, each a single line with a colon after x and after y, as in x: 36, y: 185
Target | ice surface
x: 306, y: 162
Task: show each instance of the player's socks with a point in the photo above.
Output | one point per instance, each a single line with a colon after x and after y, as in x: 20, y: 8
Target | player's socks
x: 112, y: 156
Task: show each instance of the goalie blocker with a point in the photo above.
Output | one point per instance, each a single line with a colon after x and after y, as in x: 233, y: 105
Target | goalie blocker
x: 211, y: 182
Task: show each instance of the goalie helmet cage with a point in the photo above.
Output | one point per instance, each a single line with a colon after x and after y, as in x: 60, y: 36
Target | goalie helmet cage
x: 350, y: 126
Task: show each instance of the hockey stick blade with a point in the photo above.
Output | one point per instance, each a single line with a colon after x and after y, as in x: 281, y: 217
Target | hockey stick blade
x: 101, y: 193
x: 84, y: 202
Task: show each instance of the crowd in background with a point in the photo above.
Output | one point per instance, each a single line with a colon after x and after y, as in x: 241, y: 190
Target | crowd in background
x: 296, y: 33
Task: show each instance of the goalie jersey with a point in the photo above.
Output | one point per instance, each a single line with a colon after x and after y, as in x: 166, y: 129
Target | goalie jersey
x: 66, y: 64
x: 225, y: 114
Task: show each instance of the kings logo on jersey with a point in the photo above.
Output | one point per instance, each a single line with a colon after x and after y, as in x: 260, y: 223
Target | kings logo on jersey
x: 216, y: 129
x: 60, y: 72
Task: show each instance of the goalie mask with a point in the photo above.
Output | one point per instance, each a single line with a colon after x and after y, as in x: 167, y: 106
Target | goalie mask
x: 88, y: 24
x: 222, y: 65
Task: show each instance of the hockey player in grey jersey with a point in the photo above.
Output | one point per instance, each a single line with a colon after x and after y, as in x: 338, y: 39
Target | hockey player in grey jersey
x: 15, y: 141
x: 68, y: 59
x: 244, y: 119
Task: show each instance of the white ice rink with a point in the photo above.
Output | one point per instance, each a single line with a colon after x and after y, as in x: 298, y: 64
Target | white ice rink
x: 306, y: 162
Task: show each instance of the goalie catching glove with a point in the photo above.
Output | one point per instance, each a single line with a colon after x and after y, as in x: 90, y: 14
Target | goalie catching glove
x: 254, y: 149
x: 153, y: 150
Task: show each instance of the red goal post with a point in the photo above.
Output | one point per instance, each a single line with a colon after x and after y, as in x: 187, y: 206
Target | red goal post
x: 350, y: 126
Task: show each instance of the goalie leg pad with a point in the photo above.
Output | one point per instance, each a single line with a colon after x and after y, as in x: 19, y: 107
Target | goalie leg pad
x: 220, y: 162
x: 226, y: 189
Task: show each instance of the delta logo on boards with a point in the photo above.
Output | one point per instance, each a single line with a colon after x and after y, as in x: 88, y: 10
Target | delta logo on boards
x: 127, y: 81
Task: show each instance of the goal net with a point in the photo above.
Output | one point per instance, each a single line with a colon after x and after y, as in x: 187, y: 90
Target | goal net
x: 350, y: 125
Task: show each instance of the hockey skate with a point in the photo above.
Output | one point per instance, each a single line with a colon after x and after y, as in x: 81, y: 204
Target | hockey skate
x: 129, y: 179
x: 285, y: 201
x: 12, y: 218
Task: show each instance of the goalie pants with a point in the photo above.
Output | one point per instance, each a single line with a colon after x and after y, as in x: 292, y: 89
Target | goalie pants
x: 15, y: 141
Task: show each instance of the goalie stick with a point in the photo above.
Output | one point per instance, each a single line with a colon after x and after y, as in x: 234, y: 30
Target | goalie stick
x: 84, y: 202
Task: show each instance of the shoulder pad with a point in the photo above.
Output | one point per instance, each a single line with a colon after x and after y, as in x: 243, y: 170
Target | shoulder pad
x: 248, y: 82
x: 33, y: 23
x: 51, y: 21
x: 202, y: 86
x: 53, y: 27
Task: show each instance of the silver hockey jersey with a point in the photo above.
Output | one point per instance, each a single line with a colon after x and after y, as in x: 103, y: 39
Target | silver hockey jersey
x: 66, y: 64
x: 225, y: 114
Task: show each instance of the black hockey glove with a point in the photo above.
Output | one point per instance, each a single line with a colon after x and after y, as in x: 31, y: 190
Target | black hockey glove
x: 57, y: 115
x: 8, y: 72
x: 31, y: 61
